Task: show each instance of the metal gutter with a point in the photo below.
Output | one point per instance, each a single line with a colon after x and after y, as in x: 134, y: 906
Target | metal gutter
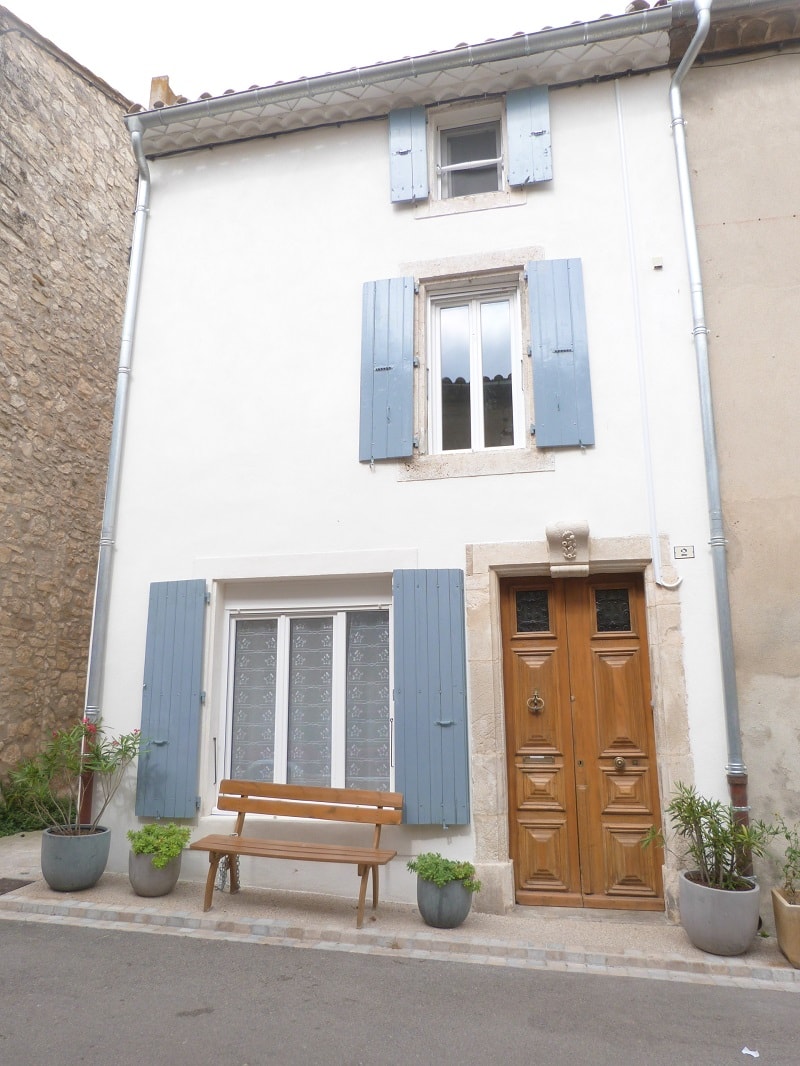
x: 519, y: 47
x: 97, y: 646
x: 736, y: 770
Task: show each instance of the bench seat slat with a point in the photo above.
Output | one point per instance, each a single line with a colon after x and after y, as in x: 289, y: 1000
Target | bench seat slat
x: 290, y: 849
x: 288, y: 808
x: 348, y: 796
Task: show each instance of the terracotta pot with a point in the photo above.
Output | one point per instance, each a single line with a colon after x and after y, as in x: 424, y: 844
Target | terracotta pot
x: 74, y: 861
x: 787, y: 925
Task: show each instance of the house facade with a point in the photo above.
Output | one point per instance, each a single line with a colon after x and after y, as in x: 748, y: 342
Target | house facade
x: 410, y: 487
x: 65, y: 180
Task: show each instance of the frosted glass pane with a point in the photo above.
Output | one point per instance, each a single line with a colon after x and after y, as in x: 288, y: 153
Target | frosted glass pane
x: 367, y: 700
x: 253, y: 714
x: 310, y: 701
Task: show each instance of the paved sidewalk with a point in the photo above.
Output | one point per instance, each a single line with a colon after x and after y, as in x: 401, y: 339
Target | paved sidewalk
x: 600, y: 942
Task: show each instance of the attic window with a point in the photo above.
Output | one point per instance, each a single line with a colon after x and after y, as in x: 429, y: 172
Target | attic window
x: 471, y: 160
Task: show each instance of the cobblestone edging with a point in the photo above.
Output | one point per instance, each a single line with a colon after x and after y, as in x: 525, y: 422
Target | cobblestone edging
x: 736, y: 972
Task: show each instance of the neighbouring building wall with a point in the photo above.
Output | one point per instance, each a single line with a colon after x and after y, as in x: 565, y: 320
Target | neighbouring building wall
x: 744, y: 143
x: 66, y: 181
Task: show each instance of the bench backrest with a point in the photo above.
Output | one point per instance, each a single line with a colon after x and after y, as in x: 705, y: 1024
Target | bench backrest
x: 308, y: 801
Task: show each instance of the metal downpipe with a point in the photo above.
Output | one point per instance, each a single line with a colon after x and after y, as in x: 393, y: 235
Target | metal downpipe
x: 97, y: 645
x: 736, y: 770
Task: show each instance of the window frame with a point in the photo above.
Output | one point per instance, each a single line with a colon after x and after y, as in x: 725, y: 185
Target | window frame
x: 285, y: 612
x: 473, y: 291
x: 449, y: 118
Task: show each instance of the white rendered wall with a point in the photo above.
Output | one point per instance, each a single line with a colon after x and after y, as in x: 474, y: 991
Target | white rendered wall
x: 241, y: 453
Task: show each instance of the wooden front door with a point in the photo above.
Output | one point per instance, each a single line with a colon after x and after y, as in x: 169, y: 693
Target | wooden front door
x: 580, y: 746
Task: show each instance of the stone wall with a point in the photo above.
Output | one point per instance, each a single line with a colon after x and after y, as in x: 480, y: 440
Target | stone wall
x: 67, y: 186
x: 749, y: 235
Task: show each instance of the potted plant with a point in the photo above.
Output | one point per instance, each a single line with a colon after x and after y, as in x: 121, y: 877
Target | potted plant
x: 75, y: 853
x: 719, y: 903
x: 154, y: 863
x: 786, y: 899
x: 444, y: 889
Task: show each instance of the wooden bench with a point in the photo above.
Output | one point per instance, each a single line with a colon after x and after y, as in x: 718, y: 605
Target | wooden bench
x: 296, y: 801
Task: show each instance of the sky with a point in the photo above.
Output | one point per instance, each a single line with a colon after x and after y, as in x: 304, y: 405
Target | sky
x: 207, y: 46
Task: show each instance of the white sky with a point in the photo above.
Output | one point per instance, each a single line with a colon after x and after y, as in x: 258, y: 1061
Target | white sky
x: 207, y: 46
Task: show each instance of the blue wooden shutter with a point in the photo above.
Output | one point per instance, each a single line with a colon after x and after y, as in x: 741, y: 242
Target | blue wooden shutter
x: 387, y: 370
x: 167, y: 780
x: 430, y: 696
x: 562, y: 389
x: 408, y: 155
x: 529, y: 145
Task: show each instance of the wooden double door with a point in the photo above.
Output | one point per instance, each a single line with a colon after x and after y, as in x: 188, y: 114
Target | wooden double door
x: 579, y: 736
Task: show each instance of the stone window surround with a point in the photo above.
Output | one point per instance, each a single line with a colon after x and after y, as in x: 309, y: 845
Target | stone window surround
x: 485, y: 565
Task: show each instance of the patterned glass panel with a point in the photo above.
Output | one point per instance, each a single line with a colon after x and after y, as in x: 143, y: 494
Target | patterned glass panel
x: 367, y: 700
x: 253, y: 725
x: 310, y: 701
x: 613, y: 610
x: 533, y: 611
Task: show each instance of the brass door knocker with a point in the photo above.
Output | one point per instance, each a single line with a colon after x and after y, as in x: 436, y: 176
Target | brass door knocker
x: 536, y: 703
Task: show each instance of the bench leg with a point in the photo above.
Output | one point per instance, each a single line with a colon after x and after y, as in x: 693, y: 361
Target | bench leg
x: 374, y: 888
x: 362, y: 895
x: 213, y: 864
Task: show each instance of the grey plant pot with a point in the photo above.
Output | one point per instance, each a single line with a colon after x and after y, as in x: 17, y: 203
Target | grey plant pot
x: 70, y: 862
x: 443, y: 907
x: 718, y: 921
x: 149, y: 880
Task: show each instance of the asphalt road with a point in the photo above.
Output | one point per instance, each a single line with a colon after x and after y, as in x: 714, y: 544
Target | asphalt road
x: 74, y: 995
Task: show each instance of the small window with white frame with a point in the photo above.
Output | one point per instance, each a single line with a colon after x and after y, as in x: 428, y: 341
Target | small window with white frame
x: 308, y: 697
x: 468, y: 150
x: 475, y: 374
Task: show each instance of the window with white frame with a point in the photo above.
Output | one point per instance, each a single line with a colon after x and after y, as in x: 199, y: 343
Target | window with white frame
x: 475, y: 375
x: 471, y: 160
x: 309, y: 698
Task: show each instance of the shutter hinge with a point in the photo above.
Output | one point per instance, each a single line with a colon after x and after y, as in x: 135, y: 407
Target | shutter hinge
x: 416, y: 360
x: 530, y: 351
x: 415, y: 442
x: 533, y: 430
x: 207, y: 597
x: 197, y: 803
x: 416, y: 288
x: 203, y: 696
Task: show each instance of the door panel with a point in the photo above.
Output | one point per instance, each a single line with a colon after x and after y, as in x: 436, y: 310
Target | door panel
x: 581, y: 754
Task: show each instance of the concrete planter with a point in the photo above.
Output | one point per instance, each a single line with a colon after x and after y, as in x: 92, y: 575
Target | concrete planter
x: 787, y: 926
x: 74, y: 861
x: 443, y: 907
x: 719, y: 921
x: 149, y: 880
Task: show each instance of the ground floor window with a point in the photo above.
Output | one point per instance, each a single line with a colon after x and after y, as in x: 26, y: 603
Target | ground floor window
x: 309, y: 698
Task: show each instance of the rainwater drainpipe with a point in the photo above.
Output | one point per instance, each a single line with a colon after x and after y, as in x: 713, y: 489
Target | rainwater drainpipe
x: 102, y: 593
x: 736, y: 770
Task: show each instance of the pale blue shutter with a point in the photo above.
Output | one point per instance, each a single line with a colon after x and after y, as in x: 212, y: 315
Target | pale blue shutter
x: 167, y: 779
x: 408, y: 154
x: 529, y: 145
x: 387, y: 370
x: 430, y: 696
x: 562, y: 389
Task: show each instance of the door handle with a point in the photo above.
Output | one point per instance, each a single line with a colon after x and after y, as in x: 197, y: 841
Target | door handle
x: 536, y: 703
x: 619, y: 763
